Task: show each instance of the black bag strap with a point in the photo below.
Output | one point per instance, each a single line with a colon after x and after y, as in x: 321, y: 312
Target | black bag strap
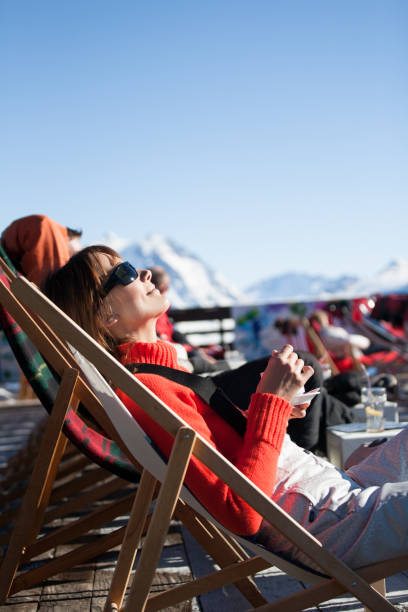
x: 205, y: 388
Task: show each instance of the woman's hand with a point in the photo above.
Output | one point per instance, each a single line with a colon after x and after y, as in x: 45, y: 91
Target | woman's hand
x: 285, y: 374
x: 299, y: 411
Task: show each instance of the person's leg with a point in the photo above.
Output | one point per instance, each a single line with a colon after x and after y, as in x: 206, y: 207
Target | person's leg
x: 387, y: 463
x: 374, y: 528
x: 360, y: 526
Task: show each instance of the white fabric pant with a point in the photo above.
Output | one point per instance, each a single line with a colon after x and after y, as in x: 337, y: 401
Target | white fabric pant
x: 361, y: 516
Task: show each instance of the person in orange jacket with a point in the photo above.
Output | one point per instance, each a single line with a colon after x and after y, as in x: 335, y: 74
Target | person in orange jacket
x: 38, y: 245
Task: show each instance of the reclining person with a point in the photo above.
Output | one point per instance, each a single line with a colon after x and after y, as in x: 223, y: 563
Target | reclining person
x: 201, y: 361
x: 37, y: 245
x: 340, y: 342
x: 360, y: 515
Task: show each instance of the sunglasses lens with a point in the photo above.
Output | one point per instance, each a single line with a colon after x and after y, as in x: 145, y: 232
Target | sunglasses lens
x: 123, y: 274
x: 126, y: 273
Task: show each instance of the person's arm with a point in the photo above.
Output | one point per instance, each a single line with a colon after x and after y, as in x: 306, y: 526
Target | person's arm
x: 256, y: 457
x: 257, y: 454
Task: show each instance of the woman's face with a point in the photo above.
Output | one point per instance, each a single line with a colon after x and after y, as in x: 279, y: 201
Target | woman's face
x: 132, y: 310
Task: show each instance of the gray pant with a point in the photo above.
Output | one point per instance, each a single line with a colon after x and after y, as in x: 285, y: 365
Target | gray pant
x: 371, y: 522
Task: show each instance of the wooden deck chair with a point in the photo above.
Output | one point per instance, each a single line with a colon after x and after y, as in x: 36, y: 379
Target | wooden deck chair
x: 317, y: 345
x: 392, y: 359
x: 117, y: 473
x: 332, y: 576
x: 79, y: 479
x: 395, y: 359
x: 44, y: 381
x: 320, y: 350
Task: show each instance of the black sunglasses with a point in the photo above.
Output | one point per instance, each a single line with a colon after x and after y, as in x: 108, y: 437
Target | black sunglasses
x: 122, y: 274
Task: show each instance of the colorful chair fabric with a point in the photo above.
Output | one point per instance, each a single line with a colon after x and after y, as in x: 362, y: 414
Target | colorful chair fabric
x: 45, y: 384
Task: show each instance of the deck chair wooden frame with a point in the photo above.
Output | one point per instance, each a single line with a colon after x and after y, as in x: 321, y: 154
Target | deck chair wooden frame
x: 334, y: 577
x: 386, y: 340
x: 67, y: 482
x: 15, y: 474
x: 61, y: 358
x: 320, y: 349
x: 24, y: 543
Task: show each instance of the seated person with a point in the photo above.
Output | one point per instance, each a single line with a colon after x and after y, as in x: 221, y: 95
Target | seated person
x: 360, y: 515
x: 201, y: 361
x: 36, y: 245
x: 338, y: 340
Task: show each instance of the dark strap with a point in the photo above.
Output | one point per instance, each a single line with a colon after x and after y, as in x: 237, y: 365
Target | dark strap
x: 205, y: 388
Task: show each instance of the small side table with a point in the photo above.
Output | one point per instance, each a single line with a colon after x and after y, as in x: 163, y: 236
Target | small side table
x: 342, y: 440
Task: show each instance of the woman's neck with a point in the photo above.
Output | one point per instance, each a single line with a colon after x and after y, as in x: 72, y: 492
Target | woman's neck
x: 141, y: 335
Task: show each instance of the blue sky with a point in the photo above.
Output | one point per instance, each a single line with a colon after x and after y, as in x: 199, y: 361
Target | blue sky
x: 265, y: 136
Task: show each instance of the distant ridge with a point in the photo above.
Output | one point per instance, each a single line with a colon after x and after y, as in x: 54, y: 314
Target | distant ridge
x: 393, y: 278
x: 194, y: 283
x: 297, y: 285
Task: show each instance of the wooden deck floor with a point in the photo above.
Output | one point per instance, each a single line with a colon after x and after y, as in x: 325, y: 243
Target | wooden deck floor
x: 85, y: 587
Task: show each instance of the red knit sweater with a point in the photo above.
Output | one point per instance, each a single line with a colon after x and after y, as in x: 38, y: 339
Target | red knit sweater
x: 256, y: 454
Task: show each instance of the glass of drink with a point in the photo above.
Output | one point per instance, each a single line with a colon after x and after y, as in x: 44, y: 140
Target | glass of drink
x: 374, y: 409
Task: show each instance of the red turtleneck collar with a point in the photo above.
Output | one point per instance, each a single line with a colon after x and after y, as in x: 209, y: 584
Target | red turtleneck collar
x: 161, y: 353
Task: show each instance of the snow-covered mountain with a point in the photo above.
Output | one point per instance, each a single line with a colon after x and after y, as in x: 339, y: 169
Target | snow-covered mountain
x: 193, y: 282
x: 295, y: 285
x: 393, y: 278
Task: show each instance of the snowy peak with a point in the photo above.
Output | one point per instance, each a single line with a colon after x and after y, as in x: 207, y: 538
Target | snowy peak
x: 297, y: 285
x: 395, y: 271
x: 193, y: 283
x: 393, y: 278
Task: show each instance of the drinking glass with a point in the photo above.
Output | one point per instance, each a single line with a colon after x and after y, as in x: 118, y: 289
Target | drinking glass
x: 374, y: 409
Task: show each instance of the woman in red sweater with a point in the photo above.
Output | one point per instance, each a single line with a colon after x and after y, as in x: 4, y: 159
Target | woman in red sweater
x: 119, y: 307
x: 360, y: 515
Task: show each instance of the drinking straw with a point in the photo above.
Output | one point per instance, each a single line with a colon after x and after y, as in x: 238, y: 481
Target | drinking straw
x: 367, y: 377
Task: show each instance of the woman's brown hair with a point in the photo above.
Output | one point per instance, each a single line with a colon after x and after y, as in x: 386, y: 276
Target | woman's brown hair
x: 77, y: 288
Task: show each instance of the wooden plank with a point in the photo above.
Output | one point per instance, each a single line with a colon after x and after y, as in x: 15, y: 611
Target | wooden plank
x: 33, y: 506
x: 222, y: 549
x: 106, y: 488
x: 131, y: 540
x: 166, y: 502
x: 73, y: 530
x: 69, y: 560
